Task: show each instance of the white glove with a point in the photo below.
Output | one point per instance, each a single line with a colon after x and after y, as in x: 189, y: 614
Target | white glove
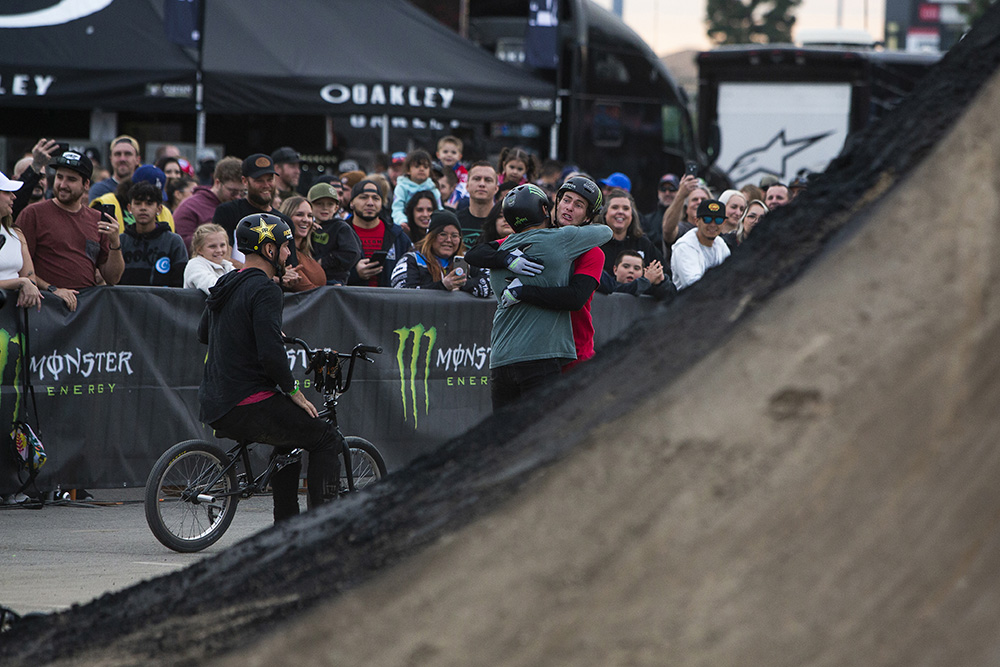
x: 522, y: 264
x: 512, y: 293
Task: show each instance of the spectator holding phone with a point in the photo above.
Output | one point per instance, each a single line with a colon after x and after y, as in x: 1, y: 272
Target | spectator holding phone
x: 381, y: 244
x: 69, y: 241
x: 438, y: 261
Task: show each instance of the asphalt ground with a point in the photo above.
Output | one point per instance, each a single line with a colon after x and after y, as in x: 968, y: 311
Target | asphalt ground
x: 69, y: 553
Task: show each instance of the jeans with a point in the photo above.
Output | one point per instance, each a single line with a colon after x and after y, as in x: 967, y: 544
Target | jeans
x: 509, y: 383
x: 279, y: 422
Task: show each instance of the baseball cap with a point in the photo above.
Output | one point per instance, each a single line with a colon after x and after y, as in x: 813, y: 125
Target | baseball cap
x: 285, y: 154
x: 258, y: 165
x: 618, y: 180
x: 767, y: 180
x: 9, y: 185
x: 365, y: 186
x: 348, y: 165
x: 321, y: 190
x: 670, y: 180
x: 79, y: 163
x: 711, y: 208
x: 398, y: 156
x: 148, y: 173
x: 351, y: 178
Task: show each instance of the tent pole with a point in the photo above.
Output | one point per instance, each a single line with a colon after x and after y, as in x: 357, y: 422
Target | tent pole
x: 199, y: 91
x: 385, y: 133
x: 199, y: 138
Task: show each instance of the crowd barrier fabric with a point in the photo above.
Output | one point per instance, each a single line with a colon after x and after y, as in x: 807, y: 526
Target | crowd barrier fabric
x: 117, y: 381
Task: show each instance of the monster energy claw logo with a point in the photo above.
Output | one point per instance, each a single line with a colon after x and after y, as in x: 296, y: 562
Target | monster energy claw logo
x: 409, y: 356
x: 5, y: 357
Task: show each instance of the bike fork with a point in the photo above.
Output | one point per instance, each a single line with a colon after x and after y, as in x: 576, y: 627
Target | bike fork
x: 347, y: 466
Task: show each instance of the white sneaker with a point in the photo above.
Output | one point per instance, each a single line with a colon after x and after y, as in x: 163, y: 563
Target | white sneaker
x: 16, y: 499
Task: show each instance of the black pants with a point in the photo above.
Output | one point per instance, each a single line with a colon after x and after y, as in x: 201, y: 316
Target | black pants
x: 509, y: 383
x: 279, y: 422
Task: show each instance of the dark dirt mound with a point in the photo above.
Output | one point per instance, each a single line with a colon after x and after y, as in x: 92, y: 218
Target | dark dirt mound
x: 746, y: 571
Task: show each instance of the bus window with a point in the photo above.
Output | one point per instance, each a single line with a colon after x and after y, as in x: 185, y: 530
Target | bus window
x: 676, y: 132
x: 606, y: 130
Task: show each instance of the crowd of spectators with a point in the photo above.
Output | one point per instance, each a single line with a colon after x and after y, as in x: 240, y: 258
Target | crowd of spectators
x: 69, y: 224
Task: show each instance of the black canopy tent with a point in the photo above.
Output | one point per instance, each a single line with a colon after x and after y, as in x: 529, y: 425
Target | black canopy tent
x: 263, y: 57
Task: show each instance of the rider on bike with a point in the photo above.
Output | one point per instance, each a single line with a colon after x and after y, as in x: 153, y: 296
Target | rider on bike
x: 248, y: 392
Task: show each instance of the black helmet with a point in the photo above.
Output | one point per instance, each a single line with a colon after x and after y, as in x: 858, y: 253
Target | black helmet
x: 525, y: 206
x: 587, y: 189
x: 257, y: 230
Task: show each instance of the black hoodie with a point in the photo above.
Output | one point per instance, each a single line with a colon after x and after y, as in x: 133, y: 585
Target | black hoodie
x: 155, y: 258
x: 242, y: 327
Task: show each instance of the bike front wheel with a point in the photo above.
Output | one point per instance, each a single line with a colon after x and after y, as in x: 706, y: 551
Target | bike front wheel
x: 367, y: 464
x: 177, y: 509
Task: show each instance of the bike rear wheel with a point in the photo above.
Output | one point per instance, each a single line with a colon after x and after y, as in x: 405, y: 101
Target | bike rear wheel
x: 178, y: 518
x: 367, y: 464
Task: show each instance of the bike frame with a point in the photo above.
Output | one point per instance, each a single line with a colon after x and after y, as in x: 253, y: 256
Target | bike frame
x: 334, y: 385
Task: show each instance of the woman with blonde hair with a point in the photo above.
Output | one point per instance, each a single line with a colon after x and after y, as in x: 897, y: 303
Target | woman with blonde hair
x: 307, y: 273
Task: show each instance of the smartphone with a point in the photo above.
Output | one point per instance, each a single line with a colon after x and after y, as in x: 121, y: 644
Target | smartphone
x: 691, y: 168
x: 107, y: 209
x: 61, y: 147
x: 379, y: 256
x: 461, y: 266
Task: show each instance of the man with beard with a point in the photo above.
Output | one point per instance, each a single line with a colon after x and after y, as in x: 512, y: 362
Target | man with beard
x: 247, y: 391
x: 125, y: 159
x: 381, y: 244
x: 286, y: 166
x: 68, y: 240
x: 259, y: 182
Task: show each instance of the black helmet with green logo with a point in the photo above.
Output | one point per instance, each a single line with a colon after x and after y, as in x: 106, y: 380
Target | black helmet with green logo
x: 525, y: 206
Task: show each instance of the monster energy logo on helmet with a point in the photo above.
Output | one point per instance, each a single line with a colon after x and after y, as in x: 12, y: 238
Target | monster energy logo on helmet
x: 525, y: 206
x: 411, y: 358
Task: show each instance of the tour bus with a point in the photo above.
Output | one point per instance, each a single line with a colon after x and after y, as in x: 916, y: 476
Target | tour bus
x: 619, y: 108
x: 788, y: 110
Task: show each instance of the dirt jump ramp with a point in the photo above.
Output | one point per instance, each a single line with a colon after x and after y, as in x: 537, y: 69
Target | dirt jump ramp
x: 783, y: 467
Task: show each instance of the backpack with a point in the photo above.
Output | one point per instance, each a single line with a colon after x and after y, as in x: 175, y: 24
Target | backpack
x: 28, y: 450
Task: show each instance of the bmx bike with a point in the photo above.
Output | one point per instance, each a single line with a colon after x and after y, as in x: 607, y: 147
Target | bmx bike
x: 194, y: 487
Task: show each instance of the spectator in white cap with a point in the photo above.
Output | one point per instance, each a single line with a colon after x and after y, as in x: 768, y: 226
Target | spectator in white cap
x: 17, y: 273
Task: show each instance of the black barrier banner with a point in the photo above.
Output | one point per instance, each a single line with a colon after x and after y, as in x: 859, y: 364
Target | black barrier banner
x: 117, y: 381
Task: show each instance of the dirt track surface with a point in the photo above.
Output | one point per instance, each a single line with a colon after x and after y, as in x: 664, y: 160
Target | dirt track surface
x: 796, y: 476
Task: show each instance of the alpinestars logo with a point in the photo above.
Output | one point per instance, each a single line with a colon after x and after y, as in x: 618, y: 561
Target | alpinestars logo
x: 413, y: 358
x: 771, y: 159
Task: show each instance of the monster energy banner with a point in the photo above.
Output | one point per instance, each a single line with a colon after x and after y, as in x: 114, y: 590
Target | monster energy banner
x: 117, y: 381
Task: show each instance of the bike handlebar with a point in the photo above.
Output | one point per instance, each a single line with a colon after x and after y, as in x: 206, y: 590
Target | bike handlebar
x: 324, y: 365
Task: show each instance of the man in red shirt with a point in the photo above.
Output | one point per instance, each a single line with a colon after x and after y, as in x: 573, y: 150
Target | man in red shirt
x: 382, y: 243
x: 69, y: 241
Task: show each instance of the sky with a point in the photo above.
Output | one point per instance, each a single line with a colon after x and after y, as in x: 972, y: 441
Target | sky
x: 669, y: 26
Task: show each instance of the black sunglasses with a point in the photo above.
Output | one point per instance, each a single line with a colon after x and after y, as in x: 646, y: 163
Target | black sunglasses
x: 665, y: 187
x: 707, y: 219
